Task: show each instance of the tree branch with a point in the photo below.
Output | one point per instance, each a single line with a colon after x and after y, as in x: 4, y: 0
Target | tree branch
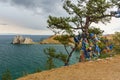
x: 69, y: 56
x: 66, y: 50
x: 100, y: 17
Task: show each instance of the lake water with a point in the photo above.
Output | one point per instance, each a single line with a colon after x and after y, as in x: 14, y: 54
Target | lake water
x: 21, y: 59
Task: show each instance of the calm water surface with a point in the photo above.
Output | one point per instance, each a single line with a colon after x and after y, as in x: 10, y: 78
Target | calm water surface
x: 21, y: 59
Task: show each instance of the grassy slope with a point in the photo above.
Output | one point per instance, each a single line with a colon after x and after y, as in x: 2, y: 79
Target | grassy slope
x: 50, y: 40
x: 102, y: 69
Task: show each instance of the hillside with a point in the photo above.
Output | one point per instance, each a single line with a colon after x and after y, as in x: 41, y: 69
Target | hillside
x: 102, y: 69
x: 51, y: 40
x: 109, y: 36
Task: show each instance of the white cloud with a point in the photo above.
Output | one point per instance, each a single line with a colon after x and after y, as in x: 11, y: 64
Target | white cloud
x: 30, y: 16
x: 36, y: 18
x: 111, y: 27
x: 8, y: 28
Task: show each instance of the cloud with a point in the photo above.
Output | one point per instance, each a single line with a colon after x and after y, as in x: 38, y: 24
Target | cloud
x: 111, y: 27
x: 46, y: 5
x: 17, y: 29
x: 4, y: 0
x: 31, y: 13
x: 24, y: 3
x: 3, y: 24
x: 30, y: 16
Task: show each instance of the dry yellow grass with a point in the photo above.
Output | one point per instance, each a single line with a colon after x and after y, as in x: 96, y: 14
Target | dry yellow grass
x: 107, y: 69
x: 50, y: 40
x: 109, y: 36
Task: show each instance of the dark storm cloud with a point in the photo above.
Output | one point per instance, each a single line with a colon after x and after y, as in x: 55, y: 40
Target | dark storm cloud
x: 50, y: 5
x: 4, y: 0
x: 31, y: 13
x: 24, y: 3
x: 46, y: 5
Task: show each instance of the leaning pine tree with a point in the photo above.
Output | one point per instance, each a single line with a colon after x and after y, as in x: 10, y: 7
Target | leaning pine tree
x: 82, y: 13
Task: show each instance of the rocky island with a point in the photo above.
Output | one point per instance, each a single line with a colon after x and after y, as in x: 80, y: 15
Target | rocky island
x: 21, y: 40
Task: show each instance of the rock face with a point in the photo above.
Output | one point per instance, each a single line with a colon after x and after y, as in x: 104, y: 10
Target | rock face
x: 28, y: 41
x: 20, y: 40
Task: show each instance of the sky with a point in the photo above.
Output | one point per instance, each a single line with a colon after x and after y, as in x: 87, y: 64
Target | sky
x: 30, y: 17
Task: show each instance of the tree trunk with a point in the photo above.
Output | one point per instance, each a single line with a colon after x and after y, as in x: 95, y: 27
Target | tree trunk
x: 87, y: 24
x: 69, y: 56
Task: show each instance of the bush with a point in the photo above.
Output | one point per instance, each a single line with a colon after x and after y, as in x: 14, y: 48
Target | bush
x: 38, y: 70
x: 50, y: 63
x: 53, y: 54
x: 7, y: 75
x: 116, y: 40
x: 104, y: 55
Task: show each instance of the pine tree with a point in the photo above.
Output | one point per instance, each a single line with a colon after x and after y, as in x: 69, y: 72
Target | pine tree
x: 7, y: 75
x: 82, y: 14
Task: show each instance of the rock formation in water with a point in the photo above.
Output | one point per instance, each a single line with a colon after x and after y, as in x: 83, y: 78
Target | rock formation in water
x: 28, y: 41
x: 20, y: 40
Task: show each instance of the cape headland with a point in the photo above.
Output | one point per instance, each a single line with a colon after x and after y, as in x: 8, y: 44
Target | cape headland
x: 50, y: 40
